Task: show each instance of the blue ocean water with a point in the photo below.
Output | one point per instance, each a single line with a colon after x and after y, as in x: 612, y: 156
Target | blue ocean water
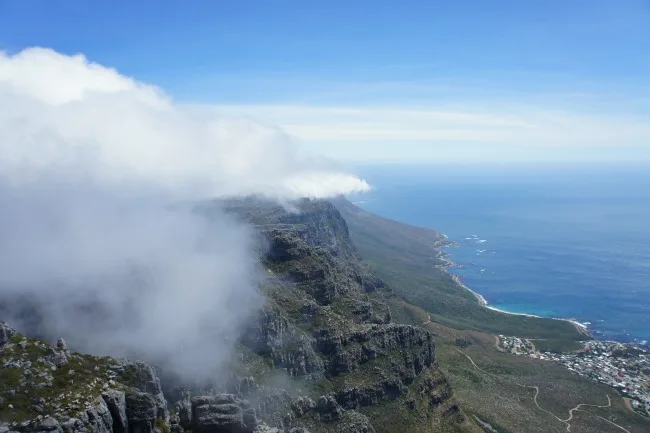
x: 569, y: 242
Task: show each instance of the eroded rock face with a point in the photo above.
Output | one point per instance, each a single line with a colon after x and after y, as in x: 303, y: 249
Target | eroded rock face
x: 222, y: 414
x: 116, y: 403
x: 286, y: 346
x: 49, y: 389
x: 98, y: 417
x: 346, y: 351
x: 141, y: 376
x: 6, y: 332
x: 328, y: 408
x: 302, y: 405
x: 322, y: 326
x: 141, y: 412
x: 373, y: 394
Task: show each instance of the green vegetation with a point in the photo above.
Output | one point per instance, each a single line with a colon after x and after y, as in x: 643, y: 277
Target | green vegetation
x: 64, y: 387
x: 407, y: 259
x: 501, y: 392
x: 501, y: 389
x: 162, y: 426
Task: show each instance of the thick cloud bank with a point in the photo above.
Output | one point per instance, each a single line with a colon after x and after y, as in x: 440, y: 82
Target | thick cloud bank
x: 90, y: 162
x: 57, y: 110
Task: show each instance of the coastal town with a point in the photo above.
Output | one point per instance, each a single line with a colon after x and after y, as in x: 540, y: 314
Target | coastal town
x: 625, y: 367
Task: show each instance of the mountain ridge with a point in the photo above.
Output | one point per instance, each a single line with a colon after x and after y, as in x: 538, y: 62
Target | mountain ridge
x: 322, y: 354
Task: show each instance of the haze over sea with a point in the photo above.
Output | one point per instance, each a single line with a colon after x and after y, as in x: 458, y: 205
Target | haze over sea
x: 554, y: 241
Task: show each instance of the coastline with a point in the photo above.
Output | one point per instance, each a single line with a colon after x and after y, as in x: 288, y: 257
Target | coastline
x: 580, y: 327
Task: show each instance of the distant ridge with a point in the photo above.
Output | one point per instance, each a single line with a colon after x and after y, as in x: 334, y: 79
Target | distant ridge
x: 410, y: 260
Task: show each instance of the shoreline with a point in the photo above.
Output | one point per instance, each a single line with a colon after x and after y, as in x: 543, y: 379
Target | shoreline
x: 581, y: 328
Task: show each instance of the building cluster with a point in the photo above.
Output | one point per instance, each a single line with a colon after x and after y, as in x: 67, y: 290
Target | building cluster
x: 625, y: 367
x: 518, y: 346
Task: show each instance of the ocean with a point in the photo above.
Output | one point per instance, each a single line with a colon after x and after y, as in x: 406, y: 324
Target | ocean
x: 554, y: 241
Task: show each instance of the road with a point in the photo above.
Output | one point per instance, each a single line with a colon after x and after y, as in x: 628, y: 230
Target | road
x: 536, y: 388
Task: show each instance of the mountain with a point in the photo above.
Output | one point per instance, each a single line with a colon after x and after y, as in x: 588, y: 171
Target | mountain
x: 363, y: 330
x: 321, y: 356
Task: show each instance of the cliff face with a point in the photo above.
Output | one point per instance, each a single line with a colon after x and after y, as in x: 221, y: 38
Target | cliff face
x: 321, y: 355
x: 48, y: 388
x: 323, y: 329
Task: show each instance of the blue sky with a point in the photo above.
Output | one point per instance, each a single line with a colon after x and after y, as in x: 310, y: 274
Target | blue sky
x: 377, y: 80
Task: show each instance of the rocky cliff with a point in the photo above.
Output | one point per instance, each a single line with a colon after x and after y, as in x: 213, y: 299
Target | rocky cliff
x: 48, y: 388
x: 321, y: 356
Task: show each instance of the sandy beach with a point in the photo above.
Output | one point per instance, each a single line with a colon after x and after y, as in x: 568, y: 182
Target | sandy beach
x: 481, y: 300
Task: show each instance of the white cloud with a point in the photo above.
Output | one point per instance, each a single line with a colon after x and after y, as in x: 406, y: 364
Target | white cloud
x: 90, y: 162
x: 59, y: 110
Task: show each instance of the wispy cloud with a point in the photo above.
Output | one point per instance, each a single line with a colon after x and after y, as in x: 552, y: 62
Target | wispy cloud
x: 400, y: 133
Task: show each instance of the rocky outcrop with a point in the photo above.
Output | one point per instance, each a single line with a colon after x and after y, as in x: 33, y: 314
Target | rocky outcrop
x: 324, y: 324
x: 223, y: 413
x: 323, y: 332
x: 328, y: 408
x: 302, y: 405
x: 347, y: 350
x: 142, y: 377
x: 370, y: 395
x: 6, y: 332
x: 48, y: 388
x: 141, y: 412
x: 116, y: 403
x: 288, y: 347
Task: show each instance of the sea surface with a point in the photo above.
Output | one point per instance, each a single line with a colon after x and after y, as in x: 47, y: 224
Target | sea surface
x: 554, y: 241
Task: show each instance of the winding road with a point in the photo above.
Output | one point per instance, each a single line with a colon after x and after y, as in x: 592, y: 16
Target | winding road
x: 536, y: 388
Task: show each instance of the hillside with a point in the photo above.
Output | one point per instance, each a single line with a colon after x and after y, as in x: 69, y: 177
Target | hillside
x: 339, y: 346
x: 409, y: 259
x: 502, y: 392
x: 322, y: 355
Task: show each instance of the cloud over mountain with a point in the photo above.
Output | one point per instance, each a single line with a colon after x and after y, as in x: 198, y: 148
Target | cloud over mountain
x: 93, y: 167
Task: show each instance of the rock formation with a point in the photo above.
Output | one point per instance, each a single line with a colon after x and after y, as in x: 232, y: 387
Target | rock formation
x: 321, y: 356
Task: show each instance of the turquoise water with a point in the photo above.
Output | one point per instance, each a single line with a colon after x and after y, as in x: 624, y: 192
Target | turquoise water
x: 570, y: 242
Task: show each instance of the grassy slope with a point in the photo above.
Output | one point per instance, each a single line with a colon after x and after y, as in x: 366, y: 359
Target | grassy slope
x: 500, y: 392
x: 494, y: 392
x: 405, y: 257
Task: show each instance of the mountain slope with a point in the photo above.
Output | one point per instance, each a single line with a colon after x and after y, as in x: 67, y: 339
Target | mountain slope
x: 500, y: 391
x: 324, y: 354
x: 336, y: 336
x: 409, y: 259
x: 321, y: 356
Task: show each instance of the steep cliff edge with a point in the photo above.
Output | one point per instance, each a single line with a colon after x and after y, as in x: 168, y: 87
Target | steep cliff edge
x: 321, y: 356
x: 336, y: 343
